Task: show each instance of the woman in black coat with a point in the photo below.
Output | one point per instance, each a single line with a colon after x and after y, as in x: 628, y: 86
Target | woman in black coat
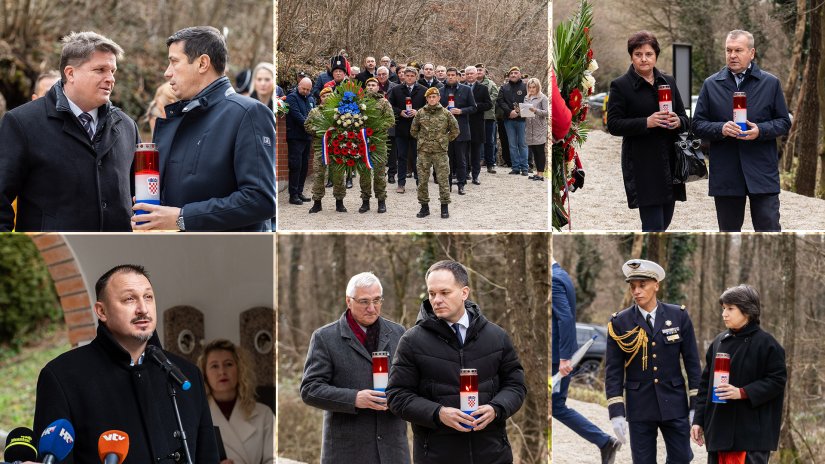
x: 745, y: 429
x: 648, y: 153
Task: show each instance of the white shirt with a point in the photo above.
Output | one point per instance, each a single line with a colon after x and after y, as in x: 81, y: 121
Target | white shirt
x: 463, y: 325
x: 652, y: 315
x: 77, y: 112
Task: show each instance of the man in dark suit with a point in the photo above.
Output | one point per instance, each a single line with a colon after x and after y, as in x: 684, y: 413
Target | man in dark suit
x: 745, y: 160
x: 478, y: 133
x: 88, y: 187
x: 428, y: 79
x: 645, y: 344
x: 458, y: 99
x: 405, y: 144
x: 338, y: 379
x: 564, y: 345
x: 217, y: 149
x: 368, y: 72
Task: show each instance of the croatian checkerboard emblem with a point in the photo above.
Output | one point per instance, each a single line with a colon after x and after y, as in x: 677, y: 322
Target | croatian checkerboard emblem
x: 153, y: 185
x: 471, y: 400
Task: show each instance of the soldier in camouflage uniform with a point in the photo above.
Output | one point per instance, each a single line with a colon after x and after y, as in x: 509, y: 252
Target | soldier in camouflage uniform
x: 338, y: 189
x: 376, y: 179
x: 435, y: 128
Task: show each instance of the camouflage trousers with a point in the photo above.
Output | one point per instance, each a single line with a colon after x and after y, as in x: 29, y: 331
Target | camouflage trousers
x: 440, y: 162
x: 374, y: 180
x: 339, y: 190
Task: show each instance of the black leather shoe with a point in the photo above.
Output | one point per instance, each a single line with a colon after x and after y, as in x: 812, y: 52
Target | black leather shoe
x: 339, y: 206
x: 445, y: 211
x: 609, y: 451
x: 425, y: 210
x: 391, y: 179
x: 316, y: 206
x: 349, y: 182
x: 476, y: 182
x: 382, y: 206
x: 491, y: 169
x: 295, y: 200
x: 304, y: 198
x: 461, y: 190
x: 514, y: 172
x: 365, y: 206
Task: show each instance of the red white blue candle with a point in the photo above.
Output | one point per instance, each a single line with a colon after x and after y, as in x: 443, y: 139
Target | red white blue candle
x: 468, y: 393
x: 665, y: 98
x: 380, y: 370
x: 450, y: 102
x: 409, y: 104
x: 721, y: 374
x: 740, y: 110
x: 147, y: 175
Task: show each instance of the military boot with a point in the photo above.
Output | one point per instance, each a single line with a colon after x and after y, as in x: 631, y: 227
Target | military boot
x: 445, y: 213
x: 365, y: 206
x: 382, y: 206
x: 316, y: 206
x: 339, y: 206
x: 425, y: 210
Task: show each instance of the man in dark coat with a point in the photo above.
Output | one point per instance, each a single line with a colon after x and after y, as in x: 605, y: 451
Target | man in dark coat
x: 428, y: 79
x: 451, y: 334
x: 645, y: 343
x: 88, y: 187
x: 478, y: 133
x: 743, y: 163
x: 299, y: 142
x: 111, y: 383
x: 405, y: 144
x: 368, y: 72
x: 458, y: 99
x: 564, y: 344
x: 217, y: 149
x: 338, y: 379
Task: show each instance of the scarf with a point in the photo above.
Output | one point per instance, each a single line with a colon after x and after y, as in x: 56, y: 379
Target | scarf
x: 369, y: 338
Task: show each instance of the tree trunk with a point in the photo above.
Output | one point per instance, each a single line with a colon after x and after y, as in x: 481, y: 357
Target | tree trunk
x: 295, y: 243
x: 798, y: 43
x: 635, y: 252
x: 787, y: 306
x: 821, y: 84
x: 808, y: 115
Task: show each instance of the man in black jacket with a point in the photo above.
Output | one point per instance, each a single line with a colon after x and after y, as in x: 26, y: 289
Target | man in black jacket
x: 110, y: 384
x: 406, y: 144
x: 88, y: 187
x: 451, y: 334
x: 481, y: 95
x: 458, y: 99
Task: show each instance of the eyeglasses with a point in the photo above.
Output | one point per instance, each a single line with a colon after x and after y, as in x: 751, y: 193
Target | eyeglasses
x: 365, y: 302
x: 695, y: 144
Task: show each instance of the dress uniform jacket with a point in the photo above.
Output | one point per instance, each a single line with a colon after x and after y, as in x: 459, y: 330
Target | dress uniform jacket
x: 652, y: 381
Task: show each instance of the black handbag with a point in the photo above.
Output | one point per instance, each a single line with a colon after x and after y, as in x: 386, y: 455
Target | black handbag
x: 690, y: 162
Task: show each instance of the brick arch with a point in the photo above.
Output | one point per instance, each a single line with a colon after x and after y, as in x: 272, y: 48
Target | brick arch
x: 70, y: 286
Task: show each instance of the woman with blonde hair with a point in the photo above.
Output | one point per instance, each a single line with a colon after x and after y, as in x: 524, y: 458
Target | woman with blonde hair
x: 246, y: 426
x: 263, y: 83
x: 536, y: 127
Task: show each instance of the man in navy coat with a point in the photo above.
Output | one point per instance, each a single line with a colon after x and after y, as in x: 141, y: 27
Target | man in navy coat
x: 645, y: 344
x: 464, y: 104
x: 217, y: 148
x: 743, y: 163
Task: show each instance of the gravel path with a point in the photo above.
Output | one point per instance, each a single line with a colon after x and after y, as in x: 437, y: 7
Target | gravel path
x: 569, y: 448
x: 602, y: 204
x: 501, y: 202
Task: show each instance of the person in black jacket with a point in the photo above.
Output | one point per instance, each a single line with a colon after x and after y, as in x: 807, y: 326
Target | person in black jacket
x: 299, y: 142
x: 746, y: 426
x: 463, y: 106
x: 451, y: 334
x: 67, y: 157
x: 648, y: 151
x: 405, y: 144
x: 111, y: 383
x: 481, y: 95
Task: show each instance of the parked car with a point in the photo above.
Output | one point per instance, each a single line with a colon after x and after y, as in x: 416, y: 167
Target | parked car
x: 588, y: 369
x: 596, y: 104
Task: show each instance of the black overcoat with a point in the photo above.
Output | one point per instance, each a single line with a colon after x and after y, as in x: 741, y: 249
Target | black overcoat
x: 397, y: 96
x: 483, y: 103
x: 648, y: 155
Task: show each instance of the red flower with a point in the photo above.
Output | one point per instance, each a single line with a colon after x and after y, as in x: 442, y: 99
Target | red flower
x: 571, y: 152
x: 340, y: 137
x: 575, y: 101
x: 350, y: 162
x: 369, y: 131
x: 583, y: 114
x: 339, y: 160
x: 335, y: 143
x: 351, y: 135
x: 589, y: 54
x: 590, y: 91
x: 372, y: 147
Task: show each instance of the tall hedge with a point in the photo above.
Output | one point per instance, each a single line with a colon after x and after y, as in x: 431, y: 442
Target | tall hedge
x: 27, y: 295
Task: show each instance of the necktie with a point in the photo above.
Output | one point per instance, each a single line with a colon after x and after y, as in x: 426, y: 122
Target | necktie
x: 739, y: 78
x: 649, y: 322
x: 458, y: 334
x: 86, y: 122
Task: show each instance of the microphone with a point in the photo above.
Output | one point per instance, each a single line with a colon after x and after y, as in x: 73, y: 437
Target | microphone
x: 174, y: 372
x: 20, y: 445
x: 56, y: 442
x: 113, y: 446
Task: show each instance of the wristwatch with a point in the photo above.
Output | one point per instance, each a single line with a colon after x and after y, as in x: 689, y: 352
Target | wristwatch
x: 179, y: 222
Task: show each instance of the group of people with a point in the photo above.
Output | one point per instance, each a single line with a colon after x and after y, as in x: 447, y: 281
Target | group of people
x: 365, y: 419
x: 743, y: 154
x: 445, y: 121
x: 116, y: 382
x: 216, y: 148
x: 737, y: 417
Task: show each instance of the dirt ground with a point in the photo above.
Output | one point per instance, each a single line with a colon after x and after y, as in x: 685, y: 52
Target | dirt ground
x: 501, y: 202
x: 602, y: 204
x: 569, y: 448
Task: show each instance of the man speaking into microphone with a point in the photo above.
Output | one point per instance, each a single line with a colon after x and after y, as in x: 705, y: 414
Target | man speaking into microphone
x: 122, y: 379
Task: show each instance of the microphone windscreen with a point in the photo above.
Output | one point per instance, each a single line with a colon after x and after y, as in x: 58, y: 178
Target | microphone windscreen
x: 20, y: 445
x: 57, y: 439
x: 113, y: 442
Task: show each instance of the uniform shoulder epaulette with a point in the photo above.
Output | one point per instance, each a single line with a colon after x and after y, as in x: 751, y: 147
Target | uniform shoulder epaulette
x: 614, y: 314
x: 683, y: 307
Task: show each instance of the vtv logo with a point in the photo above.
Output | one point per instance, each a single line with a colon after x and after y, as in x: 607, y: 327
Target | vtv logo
x: 66, y: 436
x: 114, y: 436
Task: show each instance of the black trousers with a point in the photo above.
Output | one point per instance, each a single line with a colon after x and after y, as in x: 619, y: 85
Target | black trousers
x: 505, y: 145
x: 730, y: 212
x: 476, y: 155
x: 298, y: 152
x: 656, y: 218
x: 751, y: 457
x: 458, y: 152
x: 676, y: 433
x: 540, y: 156
x: 392, y: 156
x: 407, y: 147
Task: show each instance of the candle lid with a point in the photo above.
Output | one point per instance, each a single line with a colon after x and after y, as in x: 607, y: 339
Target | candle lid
x: 664, y: 86
x: 469, y: 371
x: 380, y: 354
x: 738, y: 94
x: 145, y: 146
x: 723, y: 355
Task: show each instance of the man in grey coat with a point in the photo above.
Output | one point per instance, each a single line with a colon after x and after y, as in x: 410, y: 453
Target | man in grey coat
x: 338, y: 379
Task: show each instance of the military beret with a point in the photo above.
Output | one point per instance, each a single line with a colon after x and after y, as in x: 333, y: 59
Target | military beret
x: 432, y: 91
x: 514, y: 68
x: 325, y: 91
x: 371, y: 79
x: 641, y: 269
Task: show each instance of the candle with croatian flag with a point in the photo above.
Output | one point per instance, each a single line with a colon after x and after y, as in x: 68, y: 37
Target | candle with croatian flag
x: 468, y: 392
x: 147, y: 175
x: 409, y: 104
x: 740, y: 110
x: 721, y: 374
x: 380, y: 370
x: 665, y: 98
x: 450, y: 102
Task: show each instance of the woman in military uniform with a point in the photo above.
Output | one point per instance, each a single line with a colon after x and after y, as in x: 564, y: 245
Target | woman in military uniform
x: 646, y: 342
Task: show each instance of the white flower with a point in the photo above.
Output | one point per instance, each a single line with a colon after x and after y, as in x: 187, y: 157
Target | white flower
x: 588, y: 82
x: 347, y: 123
x: 363, y: 106
x: 593, y: 66
x: 366, y: 117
